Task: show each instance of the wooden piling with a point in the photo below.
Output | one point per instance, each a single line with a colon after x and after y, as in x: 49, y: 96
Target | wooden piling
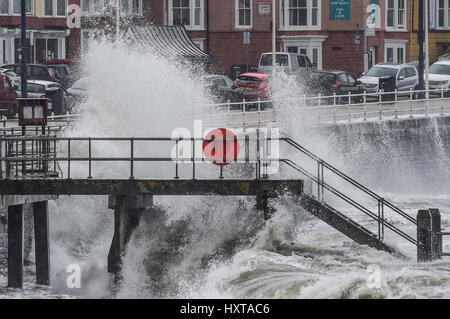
x: 429, y: 241
x: 127, y: 213
x: 42, y: 246
x: 15, y: 246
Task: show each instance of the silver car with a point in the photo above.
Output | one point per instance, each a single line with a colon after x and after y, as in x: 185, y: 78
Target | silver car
x: 286, y: 61
x: 406, y: 77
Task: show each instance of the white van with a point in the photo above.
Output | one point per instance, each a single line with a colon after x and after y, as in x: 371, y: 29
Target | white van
x: 288, y: 62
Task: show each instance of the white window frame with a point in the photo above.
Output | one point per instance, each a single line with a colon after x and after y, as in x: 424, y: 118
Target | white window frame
x: 200, y: 43
x: 54, y: 10
x: 396, y: 27
x: 130, y: 5
x: 395, y: 44
x: 192, y: 15
x: 284, y: 20
x: 236, y: 12
x: 446, y: 15
x: 11, y: 9
x: 91, y: 32
x: 309, y: 43
x: 88, y: 10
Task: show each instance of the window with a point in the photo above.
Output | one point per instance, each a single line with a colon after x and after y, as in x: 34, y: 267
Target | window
x: 11, y: 7
x: 300, y: 14
x: 443, y: 14
x: 396, y: 14
x: 88, y: 35
x: 243, y: 13
x: 131, y: 7
x: 54, y: 8
x: 185, y: 12
x: 198, y: 43
x: 394, y: 51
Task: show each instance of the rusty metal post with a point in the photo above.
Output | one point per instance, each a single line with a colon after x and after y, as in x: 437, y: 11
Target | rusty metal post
x: 15, y: 246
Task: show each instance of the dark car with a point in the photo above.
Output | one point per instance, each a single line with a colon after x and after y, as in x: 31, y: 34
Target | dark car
x: 328, y: 83
x: 223, y: 89
x: 36, y: 72
x: 64, y: 74
x: 77, y: 93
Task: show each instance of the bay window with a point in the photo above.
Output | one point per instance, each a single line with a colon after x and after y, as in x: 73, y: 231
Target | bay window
x: 396, y: 14
x: 443, y: 14
x: 185, y: 12
x: 300, y: 14
x: 55, y: 8
x: 244, y: 13
x: 102, y: 7
x: 13, y: 7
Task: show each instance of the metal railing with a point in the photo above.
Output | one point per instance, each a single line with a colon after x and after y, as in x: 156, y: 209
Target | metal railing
x: 34, y: 157
x: 382, y: 204
x: 323, y: 110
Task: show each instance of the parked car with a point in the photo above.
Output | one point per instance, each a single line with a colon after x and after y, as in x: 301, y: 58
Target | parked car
x: 77, y: 93
x: 288, y: 62
x: 223, y: 89
x: 13, y: 76
x: 255, y: 85
x: 328, y: 83
x: 8, y: 97
x: 63, y: 72
x: 53, y: 91
x: 68, y: 69
x: 439, y: 76
x: 35, y: 72
x: 405, y: 76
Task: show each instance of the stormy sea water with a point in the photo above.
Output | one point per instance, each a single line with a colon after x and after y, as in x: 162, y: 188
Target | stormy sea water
x: 215, y: 247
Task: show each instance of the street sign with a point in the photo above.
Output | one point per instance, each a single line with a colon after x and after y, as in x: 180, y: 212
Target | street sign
x: 339, y: 9
x: 246, y: 37
x: 370, y: 32
x: 264, y: 8
x: 357, y: 39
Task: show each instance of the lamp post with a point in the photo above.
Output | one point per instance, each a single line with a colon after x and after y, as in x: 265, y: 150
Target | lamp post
x: 23, y: 61
x: 117, y: 19
x: 274, y: 34
x: 427, y: 53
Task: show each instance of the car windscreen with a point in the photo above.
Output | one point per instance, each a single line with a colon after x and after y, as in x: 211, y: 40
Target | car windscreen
x: 323, y: 77
x: 248, y: 80
x: 63, y: 70
x: 378, y: 71
x: 280, y: 59
x: 440, y: 69
x: 34, y: 88
x: 81, y: 84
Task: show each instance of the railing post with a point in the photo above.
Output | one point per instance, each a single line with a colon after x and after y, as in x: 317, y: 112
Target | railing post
x: 259, y: 112
x: 90, y: 158
x: 379, y: 104
x: 334, y: 107
x: 349, y: 107
x: 243, y: 113
x: 319, y: 108
x: 68, y: 157
x: 176, y: 160
x: 228, y: 106
x: 442, y: 100
x: 132, y: 158
x: 410, y: 103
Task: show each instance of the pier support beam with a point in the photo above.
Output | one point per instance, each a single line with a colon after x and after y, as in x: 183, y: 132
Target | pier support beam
x: 127, y: 212
x: 262, y: 203
x: 429, y: 246
x: 42, y: 247
x: 15, y: 246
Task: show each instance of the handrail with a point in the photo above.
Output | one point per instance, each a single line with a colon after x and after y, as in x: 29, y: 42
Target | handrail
x: 352, y: 202
x: 348, y: 179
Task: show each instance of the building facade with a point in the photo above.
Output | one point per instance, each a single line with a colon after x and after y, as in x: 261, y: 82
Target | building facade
x: 326, y: 30
x: 439, y: 29
x: 47, y: 30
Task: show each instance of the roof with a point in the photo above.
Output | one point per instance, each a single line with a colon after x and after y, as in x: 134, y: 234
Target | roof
x: 167, y: 41
x: 256, y: 75
x: 446, y: 62
x: 331, y: 71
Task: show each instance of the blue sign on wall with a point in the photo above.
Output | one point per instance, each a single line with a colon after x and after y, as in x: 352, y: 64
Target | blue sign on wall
x: 339, y: 9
